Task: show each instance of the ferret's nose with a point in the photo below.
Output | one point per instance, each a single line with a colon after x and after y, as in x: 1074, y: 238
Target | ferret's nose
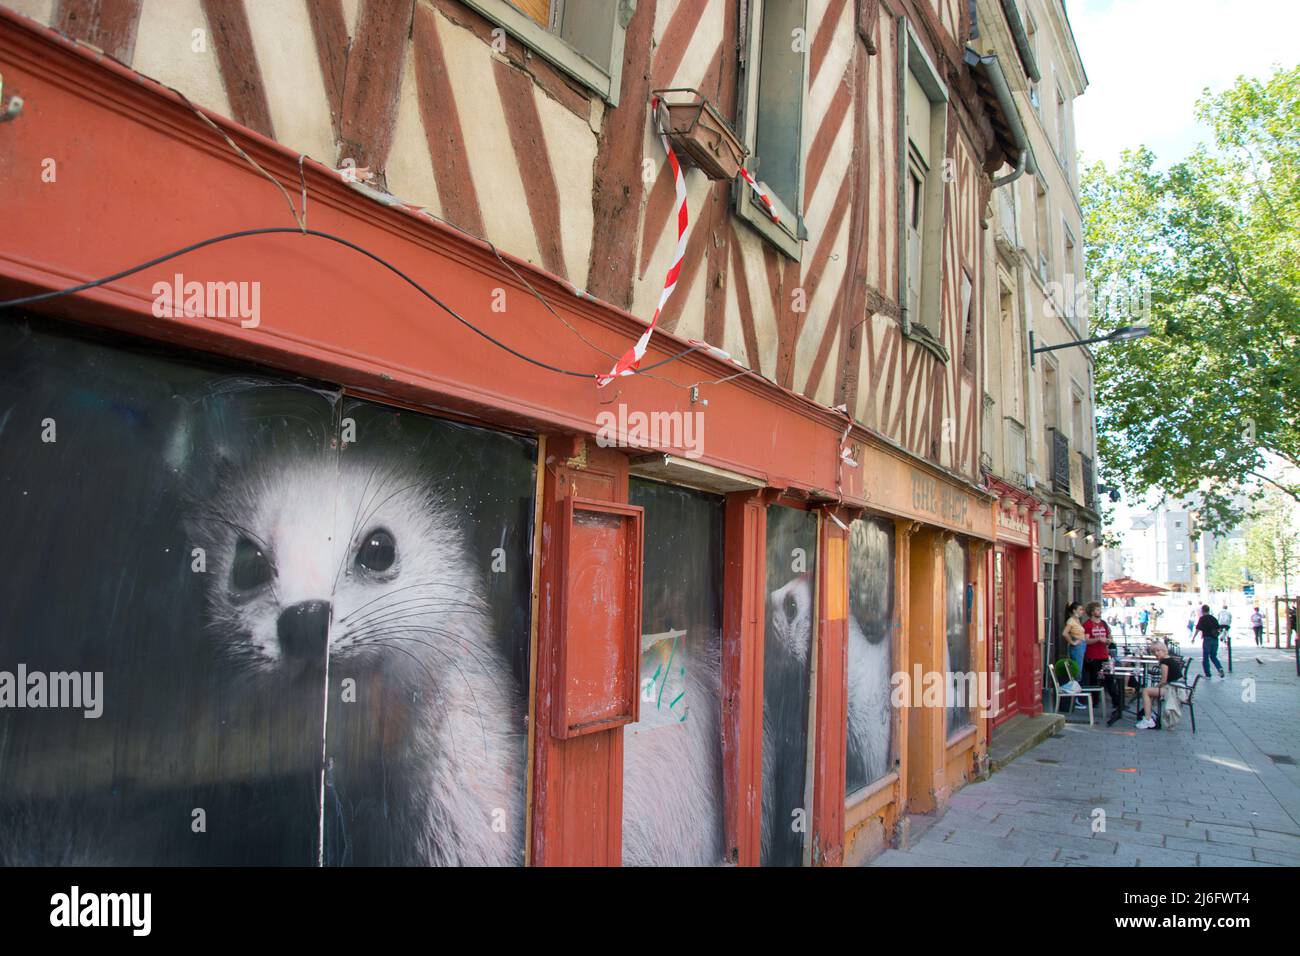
x: 304, y: 628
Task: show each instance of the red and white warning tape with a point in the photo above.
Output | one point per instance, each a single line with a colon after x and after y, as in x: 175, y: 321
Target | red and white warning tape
x: 631, y: 359
x: 762, y: 194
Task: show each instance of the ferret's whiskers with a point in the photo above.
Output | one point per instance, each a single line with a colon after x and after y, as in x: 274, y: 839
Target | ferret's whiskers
x: 411, y: 604
x: 366, y: 636
x: 406, y: 587
x: 387, y: 639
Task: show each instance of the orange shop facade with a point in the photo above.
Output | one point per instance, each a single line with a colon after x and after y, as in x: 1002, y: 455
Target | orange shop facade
x: 363, y: 586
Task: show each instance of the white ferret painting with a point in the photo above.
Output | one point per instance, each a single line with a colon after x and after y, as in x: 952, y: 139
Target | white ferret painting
x: 871, y: 604
x: 360, y: 562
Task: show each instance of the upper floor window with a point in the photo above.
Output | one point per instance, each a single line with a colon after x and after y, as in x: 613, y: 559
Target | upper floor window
x: 924, y: 104
x: 584, y: 38
x: 1072, y: 278
x: 1062, y: 132
x: 773, y: 80
x: 1041, y: 222
x: 1031, y: 30
x: 1051, y: 395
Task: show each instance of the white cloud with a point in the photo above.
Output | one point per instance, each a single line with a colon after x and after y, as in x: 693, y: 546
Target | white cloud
x: 1148, y: 61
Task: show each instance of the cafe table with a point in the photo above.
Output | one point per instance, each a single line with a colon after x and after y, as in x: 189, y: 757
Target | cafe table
x: 1139, y: 668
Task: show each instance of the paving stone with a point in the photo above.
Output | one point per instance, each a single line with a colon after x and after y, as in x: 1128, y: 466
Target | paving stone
x: 1213, y: 799
x: 1216, y: 849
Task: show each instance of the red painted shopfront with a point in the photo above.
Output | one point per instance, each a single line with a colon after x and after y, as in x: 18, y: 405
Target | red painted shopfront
x: 138, y: 173
x: 1014, y: 644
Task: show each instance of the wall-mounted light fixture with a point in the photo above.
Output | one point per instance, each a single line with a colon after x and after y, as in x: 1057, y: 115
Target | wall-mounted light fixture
x: 1123, y: 333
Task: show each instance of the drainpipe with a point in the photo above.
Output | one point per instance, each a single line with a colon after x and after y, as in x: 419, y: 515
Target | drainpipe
x: 1016, y: 173
x: 1021, y: 38
x: 991, y: 70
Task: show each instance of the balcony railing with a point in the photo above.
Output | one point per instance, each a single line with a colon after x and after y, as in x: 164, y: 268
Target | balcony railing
x: 1016, y: 464
x: 1089, y: 484
x: 1060, y: 460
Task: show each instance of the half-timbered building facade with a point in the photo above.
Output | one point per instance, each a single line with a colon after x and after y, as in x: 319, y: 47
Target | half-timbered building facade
x: 693, y: 587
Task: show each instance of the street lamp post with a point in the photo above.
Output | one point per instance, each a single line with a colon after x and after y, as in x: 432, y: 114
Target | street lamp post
x: 1122, y: 334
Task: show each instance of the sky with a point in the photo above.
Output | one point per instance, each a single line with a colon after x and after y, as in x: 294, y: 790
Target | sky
x: 1148, y: 61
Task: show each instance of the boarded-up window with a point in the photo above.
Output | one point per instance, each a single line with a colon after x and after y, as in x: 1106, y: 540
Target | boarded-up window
x: 266, y: 575
x: 871, y: 651
x: 787, y: 661
x: 672, y: 756
x: 957, y: 608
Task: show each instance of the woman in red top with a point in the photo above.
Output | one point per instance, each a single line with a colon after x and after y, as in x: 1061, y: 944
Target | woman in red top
x: 1098, y: 649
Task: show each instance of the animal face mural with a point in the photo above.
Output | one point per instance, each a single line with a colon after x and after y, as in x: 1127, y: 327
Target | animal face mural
x: 957, y: 647
x: 672, y: 756
x: 787, y: 677
x: 264, y: 573
x: 871, y: 641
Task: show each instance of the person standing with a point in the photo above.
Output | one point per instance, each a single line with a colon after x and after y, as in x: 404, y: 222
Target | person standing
x: 1075, y: 638
x: 1144, y: 619
x: 1208, y: 628
x: 1257, y: 625
x: 1192, y: 618
x: 1097, y: 653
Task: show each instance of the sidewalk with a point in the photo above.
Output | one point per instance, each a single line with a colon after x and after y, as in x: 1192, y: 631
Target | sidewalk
x: 1228, y: 796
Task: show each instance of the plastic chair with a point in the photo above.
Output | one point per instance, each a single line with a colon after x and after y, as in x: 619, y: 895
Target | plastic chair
x: 1069, y: 695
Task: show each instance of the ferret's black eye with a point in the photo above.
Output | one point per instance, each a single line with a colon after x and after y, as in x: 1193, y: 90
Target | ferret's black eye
x: 791, y: 608
x: 251, y: 568
x: 378, y: 551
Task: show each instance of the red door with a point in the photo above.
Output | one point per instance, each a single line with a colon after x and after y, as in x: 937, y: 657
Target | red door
x: 1003, y: 649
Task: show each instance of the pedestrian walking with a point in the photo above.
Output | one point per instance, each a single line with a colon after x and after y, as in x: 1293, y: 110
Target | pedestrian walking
x: 1144, y: 619
x: 1208, y: 627
x: 1225, y: 623
x: 1257, y: 625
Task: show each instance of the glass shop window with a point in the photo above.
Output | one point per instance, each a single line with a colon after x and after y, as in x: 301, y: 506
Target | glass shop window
x: 787, y: 682
x: 672, y: 757
x: 958, y: 607
x: 871, y: 651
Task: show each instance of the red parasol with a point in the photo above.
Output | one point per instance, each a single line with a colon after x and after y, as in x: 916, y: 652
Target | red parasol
x: 1127, y: 587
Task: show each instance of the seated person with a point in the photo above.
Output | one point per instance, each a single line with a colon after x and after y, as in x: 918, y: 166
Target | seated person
x: 1171, y: 669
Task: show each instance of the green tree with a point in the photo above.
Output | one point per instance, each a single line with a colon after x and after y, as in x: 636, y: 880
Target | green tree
x: 1228, y: 568
x: 1207, y: 253
x: 1272, y: 544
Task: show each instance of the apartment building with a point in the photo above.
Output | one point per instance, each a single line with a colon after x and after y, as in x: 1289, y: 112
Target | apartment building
x: 1038, y: 418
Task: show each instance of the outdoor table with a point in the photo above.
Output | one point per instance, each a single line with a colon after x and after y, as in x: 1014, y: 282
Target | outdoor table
x: 1122, y: 674
x: 1139, y: 668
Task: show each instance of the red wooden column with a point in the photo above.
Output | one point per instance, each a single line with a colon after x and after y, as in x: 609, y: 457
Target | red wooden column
x: 577, y: 783
x: 831, y: 726
x: 1029, y: 618
x: 745, y: 548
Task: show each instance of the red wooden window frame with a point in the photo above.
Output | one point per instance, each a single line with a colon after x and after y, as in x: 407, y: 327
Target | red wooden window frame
x: 624, y: 689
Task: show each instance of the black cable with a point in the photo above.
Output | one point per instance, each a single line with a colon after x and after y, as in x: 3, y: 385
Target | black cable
x: 273, y: 230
